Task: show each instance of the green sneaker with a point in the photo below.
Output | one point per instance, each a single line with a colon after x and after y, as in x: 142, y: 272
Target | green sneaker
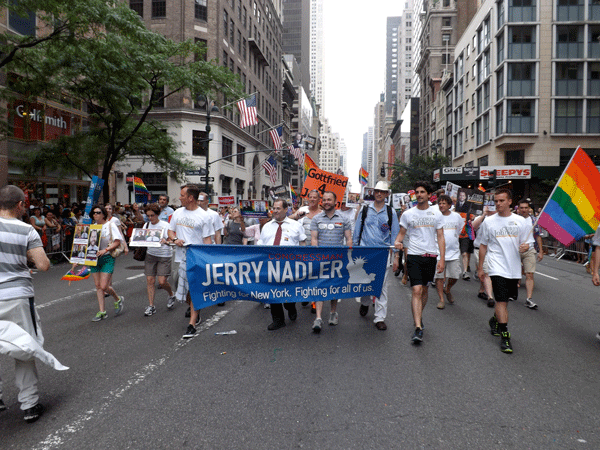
x: 99, y: 316
x: 119, y: 305
x: 505, y: 346
x: 494, y: 326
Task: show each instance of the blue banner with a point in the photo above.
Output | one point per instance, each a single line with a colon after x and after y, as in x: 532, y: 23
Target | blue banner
x: 280, y: 274
x: 93, y: 195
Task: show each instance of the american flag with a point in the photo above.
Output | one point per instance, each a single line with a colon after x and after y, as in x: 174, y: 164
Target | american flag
x: 247, y: 107
x: 270, y: 165
x: 297, y: 153
x: 276, y: 134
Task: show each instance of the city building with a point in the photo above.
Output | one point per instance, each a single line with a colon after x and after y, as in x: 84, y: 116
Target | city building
x: 317, y: 62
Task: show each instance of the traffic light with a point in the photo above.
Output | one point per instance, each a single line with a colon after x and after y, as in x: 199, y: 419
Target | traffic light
x: 382, y: 172
x: 492, y: 178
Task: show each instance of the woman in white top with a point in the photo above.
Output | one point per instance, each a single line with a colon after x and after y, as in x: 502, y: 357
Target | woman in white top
x: 110, y: 238
x: 158, y: 260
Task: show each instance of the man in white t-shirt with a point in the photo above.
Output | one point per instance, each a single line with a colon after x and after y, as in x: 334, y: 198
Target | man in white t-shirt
x: 503, y: 239
x: 530, y: 257
x: 452, y: 224
x: 189, y: 225
x: 282, y: 231
x: 423, y: 224
x: 217, y: 223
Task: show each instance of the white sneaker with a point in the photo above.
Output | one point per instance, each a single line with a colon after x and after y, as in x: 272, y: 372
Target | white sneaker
x: 317, y: 324
x: 333, y: 318
x: 530, y: 304
x: 150, y: 310
x: 171, y: 302
x: 466, y: 276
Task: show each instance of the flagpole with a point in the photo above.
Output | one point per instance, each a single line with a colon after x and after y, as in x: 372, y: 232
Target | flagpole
x: 235, y: 101
x: 269, y: 129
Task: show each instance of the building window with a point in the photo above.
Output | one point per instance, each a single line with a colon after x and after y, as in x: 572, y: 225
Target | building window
x: 514, y: 157
x: 569, y: 10
x: 500, y: 84
x: 594, y: 11
x: 521, y: 42
x: 231, y: 32
x: 203, y: 44
x: 521, y: 10
x: 226, y: 148
x: 521, y: 79
x: 137, y: 6
x: 486, y: 128
x: 500, y: 48
x: 520, y: 116
x: 158, y: 97
x: 199, y: 142
x: 569, y: 79
x: 499, y: 120
x: 569, y: 42
x: 244, y: 48
x: 201, y: 10
x: 593, y: 116
x: 483, y: 161
x: 159, y: 8
x: 500, y: 14
x: 594, y: 41
x: 225, y: 24
x: 241, y: 159
x: 225, y: 58
x: 567, y: 118
x: 446, y: 21
x: 593, y: 78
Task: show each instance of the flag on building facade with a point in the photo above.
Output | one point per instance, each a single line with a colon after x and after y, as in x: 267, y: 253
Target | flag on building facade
x: 139, y: 186
x: 270, y: 165
x: 298, y: 153
x: 309, y: 164
x: 573, y: 209
x: 362, y: 176
x: 248, y: 114
x: 276, y: 134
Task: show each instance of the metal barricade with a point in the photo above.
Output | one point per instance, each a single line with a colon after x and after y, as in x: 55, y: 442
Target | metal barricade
x: 58, y: 243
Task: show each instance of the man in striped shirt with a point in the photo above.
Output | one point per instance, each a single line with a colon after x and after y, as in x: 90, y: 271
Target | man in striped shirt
x: 20, y: 242
x: 329, y: 227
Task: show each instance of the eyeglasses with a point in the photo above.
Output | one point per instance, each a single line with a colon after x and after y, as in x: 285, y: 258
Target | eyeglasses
x: 97, y: 212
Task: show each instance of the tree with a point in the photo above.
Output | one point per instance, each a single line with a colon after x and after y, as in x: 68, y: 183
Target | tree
x: 421, y: 167
x: 122, y: 71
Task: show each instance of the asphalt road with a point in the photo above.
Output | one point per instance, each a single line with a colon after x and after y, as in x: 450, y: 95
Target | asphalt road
x: 134, y: 383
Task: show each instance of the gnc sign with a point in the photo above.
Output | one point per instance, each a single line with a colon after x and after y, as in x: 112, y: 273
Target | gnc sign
x: 506, y: 172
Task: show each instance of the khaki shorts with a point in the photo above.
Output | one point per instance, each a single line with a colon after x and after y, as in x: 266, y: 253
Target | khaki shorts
x: 156, y: 266
x: 486, y: 268
x: 451, y: 270
x: 529, y: 259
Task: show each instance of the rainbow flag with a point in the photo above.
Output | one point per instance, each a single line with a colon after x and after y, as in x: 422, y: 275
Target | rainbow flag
x: 362, y: 176
x: 77, y: 273
x: 573, y: 209
x: 309, y: 164
x: 139, y: 186
x: 293, y: 195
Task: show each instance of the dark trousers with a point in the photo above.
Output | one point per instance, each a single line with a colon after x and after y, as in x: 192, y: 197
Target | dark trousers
x: 277, y: 311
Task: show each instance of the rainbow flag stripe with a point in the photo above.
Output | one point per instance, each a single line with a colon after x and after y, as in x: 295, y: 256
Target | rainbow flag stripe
x: 362, y: 176
x: 293, y: 195
x: 573, y: 209
x: 309, y: 164
x: 139, y: 186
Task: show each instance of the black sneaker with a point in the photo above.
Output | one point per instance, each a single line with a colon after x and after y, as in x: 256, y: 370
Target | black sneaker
x: 198, y: 320
x: 494, y: 326
x: 190, y: 333
x: 417, y: 336
x: 363, y: 310
x: 188, y: 313
x: 2, y: 405
x: 34, y: 413
x: 505, y: 346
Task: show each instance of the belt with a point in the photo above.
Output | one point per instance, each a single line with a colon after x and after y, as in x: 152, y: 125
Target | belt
x: 429, y: 255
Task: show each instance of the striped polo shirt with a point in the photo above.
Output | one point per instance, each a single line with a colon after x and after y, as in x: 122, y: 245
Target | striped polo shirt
x: 16, y: 237
x: 331, y: 230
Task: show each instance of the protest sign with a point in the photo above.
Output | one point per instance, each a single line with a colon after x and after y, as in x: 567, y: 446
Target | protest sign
x: 325, y: 181
x: 281, y: 274
x: 254, y: 208
x: 143, y: 237
x: 226, y: 201
x: 86, y: 239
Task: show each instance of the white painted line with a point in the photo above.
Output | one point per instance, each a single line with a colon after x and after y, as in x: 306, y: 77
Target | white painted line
x: 58, y: 300
x: 136, y: 276
x: 548, y: 276
x: 57, y: 438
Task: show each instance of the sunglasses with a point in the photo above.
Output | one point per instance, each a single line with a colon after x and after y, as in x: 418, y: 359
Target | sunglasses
x: 97, y: 212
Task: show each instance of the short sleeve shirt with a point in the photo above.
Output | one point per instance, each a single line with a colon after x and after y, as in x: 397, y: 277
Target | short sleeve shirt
x: 422, y: 225
x: 503, y: 236
x: 331, y: 231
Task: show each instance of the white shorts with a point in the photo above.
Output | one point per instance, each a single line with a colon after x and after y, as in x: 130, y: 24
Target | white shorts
x: 486, y: 268
x: 451, y: 270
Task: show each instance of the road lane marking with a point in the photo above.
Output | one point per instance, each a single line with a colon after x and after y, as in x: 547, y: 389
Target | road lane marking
x: 548, y: 276
x: 58, y: 437
x: 136, y: 276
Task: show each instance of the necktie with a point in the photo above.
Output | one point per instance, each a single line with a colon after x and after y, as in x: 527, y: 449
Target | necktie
x: 278, y: 234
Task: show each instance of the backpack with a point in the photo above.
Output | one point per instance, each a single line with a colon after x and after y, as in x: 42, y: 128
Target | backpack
x: 364, y: 213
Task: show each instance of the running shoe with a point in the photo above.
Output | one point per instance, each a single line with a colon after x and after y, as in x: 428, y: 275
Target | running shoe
x: 317, y: 324
x: 466, y: 276
x: 190, y: 333
x: 333, y: 318
x: 363, y: 310
x: 150, y: 310
x: 482, y: 296
x: 266, y: 306
x: 530, y: 304
x: 119, y: 305
x: 171, y: 302
x: 505, y: 346
x: 491, y: 303
x: 32, y: 414
x: 99, y: 316
x: 494, y: 326
x: 2, y: 405
x: 417, y: 336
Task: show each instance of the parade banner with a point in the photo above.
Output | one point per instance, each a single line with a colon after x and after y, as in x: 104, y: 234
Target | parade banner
x: 254, y: 208
x: 93, y: 195
x: 325, y: 181
x: 282, y: 274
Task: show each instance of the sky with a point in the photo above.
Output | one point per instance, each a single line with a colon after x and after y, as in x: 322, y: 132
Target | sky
x: 354, y: 53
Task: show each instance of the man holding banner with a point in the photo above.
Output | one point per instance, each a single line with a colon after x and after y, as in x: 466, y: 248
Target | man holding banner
x: 377, y: 224
x: 329, y: 227
x: 286, y: 232
x: 189, y: 225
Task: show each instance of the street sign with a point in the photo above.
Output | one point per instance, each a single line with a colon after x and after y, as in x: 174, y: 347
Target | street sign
x: 195, y: 172
x: 210, y: 179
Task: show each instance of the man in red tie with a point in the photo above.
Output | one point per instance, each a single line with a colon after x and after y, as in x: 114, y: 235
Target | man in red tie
x: 287, y: 232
